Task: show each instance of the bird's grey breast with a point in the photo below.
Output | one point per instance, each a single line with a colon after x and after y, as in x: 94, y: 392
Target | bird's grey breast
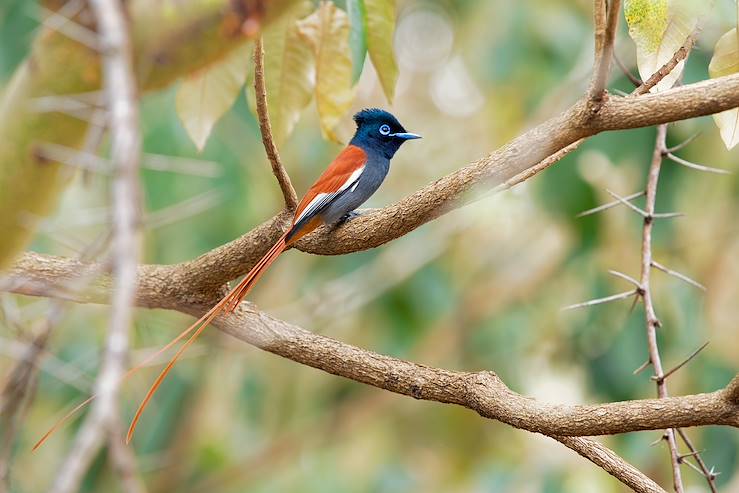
x: 374, y: 173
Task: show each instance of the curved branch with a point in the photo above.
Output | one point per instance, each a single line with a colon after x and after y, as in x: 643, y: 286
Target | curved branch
x: 483, y: 392
x: 265, y: 127
x: 614, y: 465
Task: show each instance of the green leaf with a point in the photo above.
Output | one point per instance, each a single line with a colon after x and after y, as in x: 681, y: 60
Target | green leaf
x: 659, y: 28
x: 289, y: 66
x: 327, y: 32
x: 357, y: 36
x: 725, y: 61
x: 380, y: 29
x: 205, y: 96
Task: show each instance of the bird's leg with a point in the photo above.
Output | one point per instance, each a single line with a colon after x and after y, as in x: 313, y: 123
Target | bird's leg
x: 345, y: 219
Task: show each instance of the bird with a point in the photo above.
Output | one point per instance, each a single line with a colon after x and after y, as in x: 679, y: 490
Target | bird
x: 352, y: 178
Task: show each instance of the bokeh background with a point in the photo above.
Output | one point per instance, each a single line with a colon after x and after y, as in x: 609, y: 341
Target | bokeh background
x: 480, y: 288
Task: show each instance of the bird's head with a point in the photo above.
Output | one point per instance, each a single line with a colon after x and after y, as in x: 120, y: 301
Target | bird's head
x: 379, y: 130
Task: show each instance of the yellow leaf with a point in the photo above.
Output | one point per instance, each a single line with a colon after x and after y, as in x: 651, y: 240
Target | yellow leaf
x: 725, y: 61
x: 327, y: 32
x: 205, y: 96
x: 289, y: 67
x: 380, y: 29
x: 659, y: 28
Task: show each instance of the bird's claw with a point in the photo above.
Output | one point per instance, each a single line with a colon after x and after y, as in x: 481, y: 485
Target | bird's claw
x: 347, y: 217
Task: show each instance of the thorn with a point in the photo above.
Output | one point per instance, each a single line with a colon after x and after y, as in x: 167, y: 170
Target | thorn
x: 598, y: 301
x: 656, y: 442
x: 667, y: 215
x: 693, y: 466
x: 642, y: 367
x: 689, y: 454
x: 698, y: 167
x: 680, y: 276
x: 683, y: 144
x: 610, y: 205
x: 628, y: 204
x: 685, y: 361
x: 626, y: 278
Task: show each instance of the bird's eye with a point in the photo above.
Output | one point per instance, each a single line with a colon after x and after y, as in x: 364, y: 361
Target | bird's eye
x: 385, y: 129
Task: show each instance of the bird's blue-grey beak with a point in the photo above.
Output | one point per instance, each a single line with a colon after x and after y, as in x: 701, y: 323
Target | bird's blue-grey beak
x: 405, y: 135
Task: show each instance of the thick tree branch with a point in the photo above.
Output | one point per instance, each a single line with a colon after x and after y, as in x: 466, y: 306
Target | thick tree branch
x: 482, y: 392
x: 170, y: 286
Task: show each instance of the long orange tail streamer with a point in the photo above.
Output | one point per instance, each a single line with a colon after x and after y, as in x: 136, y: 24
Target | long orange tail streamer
x: 228, y: 303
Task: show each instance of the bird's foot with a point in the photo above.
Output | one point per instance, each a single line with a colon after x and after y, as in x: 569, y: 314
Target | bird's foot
x: 347, y: 217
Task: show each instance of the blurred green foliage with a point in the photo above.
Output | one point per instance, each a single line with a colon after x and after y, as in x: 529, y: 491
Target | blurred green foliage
x: 480, y: 288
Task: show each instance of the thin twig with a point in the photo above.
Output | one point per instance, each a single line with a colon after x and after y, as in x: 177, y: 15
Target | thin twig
x: 599, y: 301
x: 652, y: 322
x: 682, y: 363
x: 710, y: 475
x: 695, y: 166
x: 120, y: 89
x: 632, y: 78
x: 265, y: 127
x: 626, y: 278
x: 64, y: 24
x: 680, y: 276
x: 606, y: 24
x: 611, y: 205
x: 684, y: 143
x: 680, y: 55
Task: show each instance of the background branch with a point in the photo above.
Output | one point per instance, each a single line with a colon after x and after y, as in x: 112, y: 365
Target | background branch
x: 606, y: 25
x: 120, y: 90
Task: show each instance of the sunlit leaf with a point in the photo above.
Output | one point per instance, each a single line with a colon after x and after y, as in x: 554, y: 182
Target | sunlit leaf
x: 327, y: 32
x: 357, y: 36
x: 289, y: 67
x: 659, y: 28
x: 725, y: 61
x: 380, y: 28
x: 206, y: 95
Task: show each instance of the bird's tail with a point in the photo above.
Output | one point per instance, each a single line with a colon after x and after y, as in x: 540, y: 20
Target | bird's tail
x: 228, y: 303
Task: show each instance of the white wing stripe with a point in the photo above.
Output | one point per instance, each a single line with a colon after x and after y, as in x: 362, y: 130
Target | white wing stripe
x: 352, y: 178
x: 322, y: 198
x: 309, y: 208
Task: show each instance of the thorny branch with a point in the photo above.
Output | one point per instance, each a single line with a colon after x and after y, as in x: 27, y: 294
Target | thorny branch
x: 652, y: 322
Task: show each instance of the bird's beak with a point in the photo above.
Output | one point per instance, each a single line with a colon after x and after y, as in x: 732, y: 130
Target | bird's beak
x: 406, y: 135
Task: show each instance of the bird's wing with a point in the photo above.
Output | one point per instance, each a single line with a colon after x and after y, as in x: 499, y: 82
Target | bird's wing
x: 341, y: 174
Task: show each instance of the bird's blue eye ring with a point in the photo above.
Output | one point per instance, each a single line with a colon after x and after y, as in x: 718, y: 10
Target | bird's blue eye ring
x: 385, y: 129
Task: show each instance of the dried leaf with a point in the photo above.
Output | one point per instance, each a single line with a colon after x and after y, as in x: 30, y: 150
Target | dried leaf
x: 357, y: 36
x: 289, y: 68
x: 327, y: 32
x: 205, y: 96
x: 380, y: 29
x: 725, y: 61
x: 659, y: 28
